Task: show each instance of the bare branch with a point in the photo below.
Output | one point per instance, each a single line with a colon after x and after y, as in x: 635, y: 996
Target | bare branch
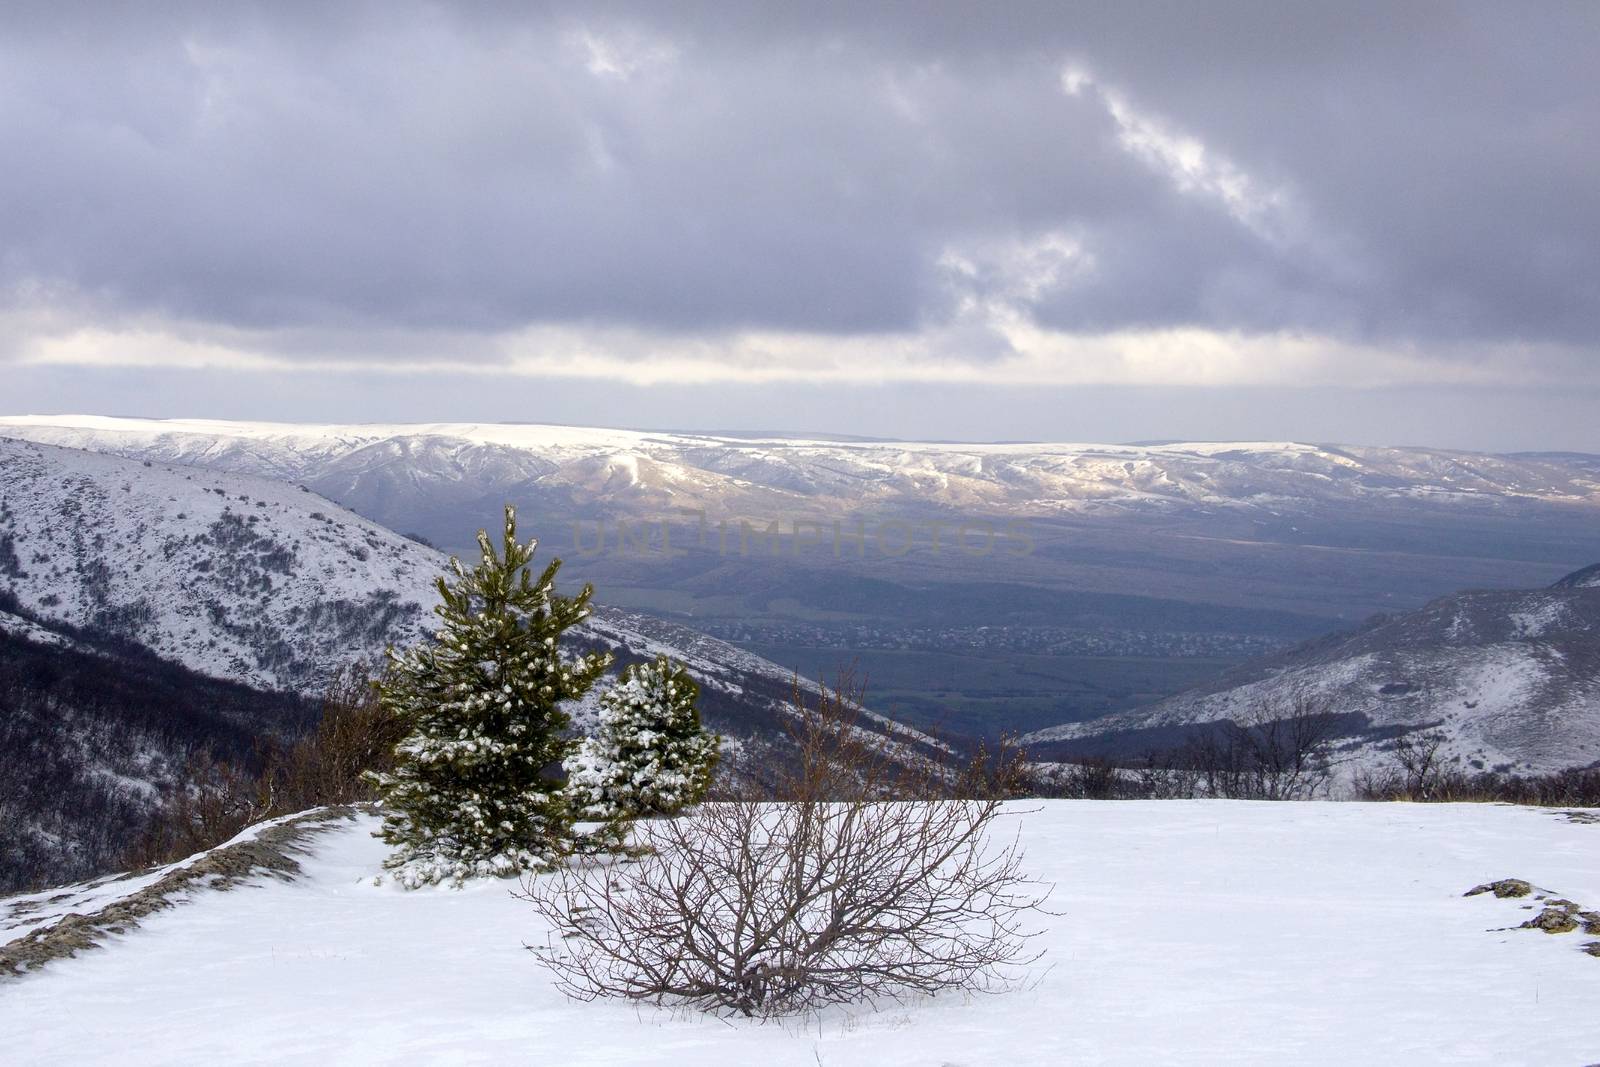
x: 844, y: 891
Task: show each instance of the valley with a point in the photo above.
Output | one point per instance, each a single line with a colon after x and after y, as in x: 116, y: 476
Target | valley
x: 1058, y: 572
x: 899, y: 534
x: 1160, y: 605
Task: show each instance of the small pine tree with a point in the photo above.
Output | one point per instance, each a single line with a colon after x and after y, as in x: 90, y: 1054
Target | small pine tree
x: 650, y: 755
x: 471, y: 793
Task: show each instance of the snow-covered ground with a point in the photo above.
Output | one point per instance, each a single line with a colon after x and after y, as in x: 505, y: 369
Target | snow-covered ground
x: 1188, y: 932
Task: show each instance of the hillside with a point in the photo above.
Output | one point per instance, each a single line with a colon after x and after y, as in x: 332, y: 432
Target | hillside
x: 256, y: 581
x: 1511, y: 677
x: 148, y: 611
x: 233, y: 576
x: 1180, y: 931
x: 984, y: 587
x: 1322, y: 530
x: 92, y: 731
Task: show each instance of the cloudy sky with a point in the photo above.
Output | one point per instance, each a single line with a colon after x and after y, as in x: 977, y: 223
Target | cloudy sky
x: 1329, y: 221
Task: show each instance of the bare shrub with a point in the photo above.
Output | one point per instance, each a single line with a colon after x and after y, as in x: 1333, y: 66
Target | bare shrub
x: 1163, y: 776
x: 1093, y: 778
x: 213, y: 798
x: 1417, y: 753
x: 211, y: 802
x: 355, y: 735
x: 1376, y: 783
x: 843, y: 891
x: 1289, y: 748
x: 1159, y: 774
x: 1098, y: 779
x: 1275, y: 750
x: 1417, y: 773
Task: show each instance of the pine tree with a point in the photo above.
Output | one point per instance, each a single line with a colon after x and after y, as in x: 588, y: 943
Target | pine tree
x: 471, y: 793
x: 650, y: 755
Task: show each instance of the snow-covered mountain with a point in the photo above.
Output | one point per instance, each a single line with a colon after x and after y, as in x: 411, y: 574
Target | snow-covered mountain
x: 234, y: 576
x: 370, y: 467
x: 1324, y: 531
x: 1512, y: 678
x: 255, y: 580
x: 251, y: 594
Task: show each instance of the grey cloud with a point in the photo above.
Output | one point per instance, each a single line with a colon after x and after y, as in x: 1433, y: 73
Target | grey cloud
x: 801, y: 166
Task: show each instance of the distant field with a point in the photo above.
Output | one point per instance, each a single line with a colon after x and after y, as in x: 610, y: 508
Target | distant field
x: 925, y: 665
x: 988, y: 694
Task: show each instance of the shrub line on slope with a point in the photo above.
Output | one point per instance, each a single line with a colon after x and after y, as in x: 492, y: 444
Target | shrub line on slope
x: 271, y: 852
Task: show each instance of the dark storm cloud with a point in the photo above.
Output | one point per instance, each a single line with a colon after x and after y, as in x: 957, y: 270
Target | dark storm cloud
x: 1425, y: 174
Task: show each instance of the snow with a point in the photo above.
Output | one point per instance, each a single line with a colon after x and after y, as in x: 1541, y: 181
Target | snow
x: 171, y: 544
x: 550, y: 435
x: 698, y: 469
x: 151, y: 528
x: 1544, y: 614
x: 26, y: 911
x: 28, y: 630
x: 1521, y: 703
x: 1194, y: 932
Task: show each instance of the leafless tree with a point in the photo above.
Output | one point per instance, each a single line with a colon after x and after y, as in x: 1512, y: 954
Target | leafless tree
x: 214, y: 798
x: 1088, y: 777
x: 1421, y: 765
x: 1274, y: 750
x: 355, y: 735
x: 1289, y: 748
x: 1163, y: 775
x: 843, y: 891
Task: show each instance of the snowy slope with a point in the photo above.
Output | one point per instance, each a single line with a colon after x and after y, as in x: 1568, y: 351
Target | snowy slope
x: 256, y: 580
x: 95, y: 733
x: 358, y: 464
x: 1511, y: 677
x: 234, y: 576
x: 1324, y: 531
x: 28, y: 630
x: 1185, y: 932
x: 1587, y: 578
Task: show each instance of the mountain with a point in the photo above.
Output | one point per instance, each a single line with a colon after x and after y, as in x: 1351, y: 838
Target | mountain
x: 393, y: 468
x: 232, y: 576
x: 1587, y: 578
x: 149, y: 611
x: 253, y: 580
x: 1214, y: 522
x: 1512, y: 678
x: 989, y: 587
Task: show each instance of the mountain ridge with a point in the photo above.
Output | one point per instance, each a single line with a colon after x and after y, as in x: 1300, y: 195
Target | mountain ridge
x: 1510, y: 677
x: 1333, y: 530
x: 1004, y: 475
x: 257, y: 581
